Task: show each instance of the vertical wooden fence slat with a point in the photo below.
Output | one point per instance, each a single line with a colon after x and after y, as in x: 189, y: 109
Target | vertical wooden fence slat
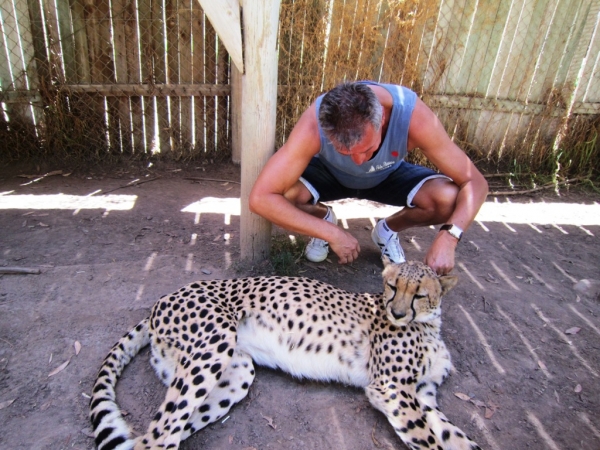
x: 306, y: 81
x: 236, y: 115
x: 588, y: 20
x: 437, y: 52
x: 5, y: 75
x: 158, y: 39
x: 360, y: 29
x: 172, y: 49
x: 327, y: 41
x: 285, y: 42
x: 106, y: 70
x: 15, y: 73
x: 147, y: 72
x: 413, y: 47
x: 198, y: 56
x: 484, y: 133
x: 592, y: 94
x: 53, y: 35
x: 463, y: 43
x: 590, y: 63
x: 66, y: 40
x: 119, y: 9
x: 210, y: 77
x: 425, y: 70
x: 32, y: 72
x: 543, y: 88
x: 451, y: 17
x: 185, y: 74
x: 378, y: 24
x: 506, y: 64
x: 443, y: 54
x: 132, y: 41
x: 464, y: 49
x: 422, y: 35
x: 92, y: 18
x: 81, y: 58
x: 479, y: 57
x: 223, y: 141
x: 554, y: 51
x: 335, y: 42
x: 481, y: 38
x: 525, y: 133
x: 516, y: 86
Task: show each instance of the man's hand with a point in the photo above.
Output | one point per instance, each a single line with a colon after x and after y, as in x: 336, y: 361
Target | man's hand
x: 440, y: 256
x: 345, y: 246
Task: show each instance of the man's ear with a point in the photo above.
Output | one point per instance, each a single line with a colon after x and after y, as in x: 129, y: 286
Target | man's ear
x: 447, y: 282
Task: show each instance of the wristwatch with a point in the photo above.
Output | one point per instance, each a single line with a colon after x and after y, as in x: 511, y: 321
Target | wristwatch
x: 454, y: 230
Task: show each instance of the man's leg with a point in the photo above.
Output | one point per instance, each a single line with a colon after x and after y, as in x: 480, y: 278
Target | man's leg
x: 427, y: 197
x: 433, y: 204
x: 302, y: 198
x: 305, y: 197
x: 316, y: 184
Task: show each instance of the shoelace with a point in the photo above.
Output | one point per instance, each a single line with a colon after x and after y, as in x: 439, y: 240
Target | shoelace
x: 317, y: 241
x: 398, y: 248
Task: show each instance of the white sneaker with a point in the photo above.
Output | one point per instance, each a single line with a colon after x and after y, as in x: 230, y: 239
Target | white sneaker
x: 390, y: 247
x: 317, y: 249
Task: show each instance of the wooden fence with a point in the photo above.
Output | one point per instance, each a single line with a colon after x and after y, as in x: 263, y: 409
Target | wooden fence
x: 511, y: 79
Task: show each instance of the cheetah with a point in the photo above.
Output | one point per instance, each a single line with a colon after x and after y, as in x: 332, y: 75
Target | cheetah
x: 206, y: 336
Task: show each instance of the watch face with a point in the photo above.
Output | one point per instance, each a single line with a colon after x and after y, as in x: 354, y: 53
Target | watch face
x: 453, y: 230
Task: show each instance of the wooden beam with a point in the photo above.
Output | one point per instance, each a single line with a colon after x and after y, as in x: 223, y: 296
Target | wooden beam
x: 259, y: 102
x: 224, y: 15
x: 150, y: 90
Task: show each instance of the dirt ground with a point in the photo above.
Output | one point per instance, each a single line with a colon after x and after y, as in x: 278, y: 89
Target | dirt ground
x: 525, y: 344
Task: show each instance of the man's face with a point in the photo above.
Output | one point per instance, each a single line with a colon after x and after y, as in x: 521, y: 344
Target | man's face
x: 364, y: 149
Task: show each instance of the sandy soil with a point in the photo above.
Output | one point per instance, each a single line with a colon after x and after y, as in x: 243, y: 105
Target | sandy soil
x: 525, y: 343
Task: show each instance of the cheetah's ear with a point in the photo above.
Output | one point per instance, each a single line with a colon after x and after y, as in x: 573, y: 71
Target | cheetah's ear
x: 386, y: 261
x: 447, y: 282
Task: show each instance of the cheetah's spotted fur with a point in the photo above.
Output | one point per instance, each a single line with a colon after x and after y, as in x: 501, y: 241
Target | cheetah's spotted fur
x: 206, y: 335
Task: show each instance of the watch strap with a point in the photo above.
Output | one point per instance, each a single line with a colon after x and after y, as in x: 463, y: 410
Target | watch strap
x: 454, y: 230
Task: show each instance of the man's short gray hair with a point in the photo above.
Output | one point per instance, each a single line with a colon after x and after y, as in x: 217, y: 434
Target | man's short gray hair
x: 346, y: 110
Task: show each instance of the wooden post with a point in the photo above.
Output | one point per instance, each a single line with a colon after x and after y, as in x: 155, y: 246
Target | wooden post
x: 259, y: 102
x: 236, y: 115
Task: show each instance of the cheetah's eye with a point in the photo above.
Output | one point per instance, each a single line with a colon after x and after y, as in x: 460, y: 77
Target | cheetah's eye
x: 418, y: 296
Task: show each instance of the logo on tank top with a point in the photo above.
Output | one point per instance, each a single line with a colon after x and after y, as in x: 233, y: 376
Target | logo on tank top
x: 379, y: 167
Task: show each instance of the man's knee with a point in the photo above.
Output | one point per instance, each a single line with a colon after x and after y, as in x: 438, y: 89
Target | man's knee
x: 437, y: 194
x: 298, y: 194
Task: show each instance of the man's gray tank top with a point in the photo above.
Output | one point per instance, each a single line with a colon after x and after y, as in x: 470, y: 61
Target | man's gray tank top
x: 391, y: 153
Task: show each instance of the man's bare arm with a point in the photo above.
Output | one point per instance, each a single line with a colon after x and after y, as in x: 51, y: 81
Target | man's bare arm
x: 427, y: 133
x: 269, y: 197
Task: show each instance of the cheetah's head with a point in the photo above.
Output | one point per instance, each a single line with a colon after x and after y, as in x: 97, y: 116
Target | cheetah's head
x: 413, y: 292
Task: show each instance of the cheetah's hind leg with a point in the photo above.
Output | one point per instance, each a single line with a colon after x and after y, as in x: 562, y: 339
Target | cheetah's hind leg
x: 196, y: 375
x: 231, y: 389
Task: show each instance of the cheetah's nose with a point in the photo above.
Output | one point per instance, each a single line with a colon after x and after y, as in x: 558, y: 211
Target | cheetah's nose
x: 398, y: 315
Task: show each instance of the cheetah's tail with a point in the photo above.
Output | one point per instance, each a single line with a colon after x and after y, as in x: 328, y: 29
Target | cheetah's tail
x: 110, y: 429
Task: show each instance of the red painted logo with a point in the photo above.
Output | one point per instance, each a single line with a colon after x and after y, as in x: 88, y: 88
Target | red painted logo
x: 395, y: 154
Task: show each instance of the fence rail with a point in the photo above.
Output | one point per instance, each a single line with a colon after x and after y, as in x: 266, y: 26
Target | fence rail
x: 511, y: 80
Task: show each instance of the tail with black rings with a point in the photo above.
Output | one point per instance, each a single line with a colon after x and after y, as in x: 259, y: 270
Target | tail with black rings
x: 111, y: 432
